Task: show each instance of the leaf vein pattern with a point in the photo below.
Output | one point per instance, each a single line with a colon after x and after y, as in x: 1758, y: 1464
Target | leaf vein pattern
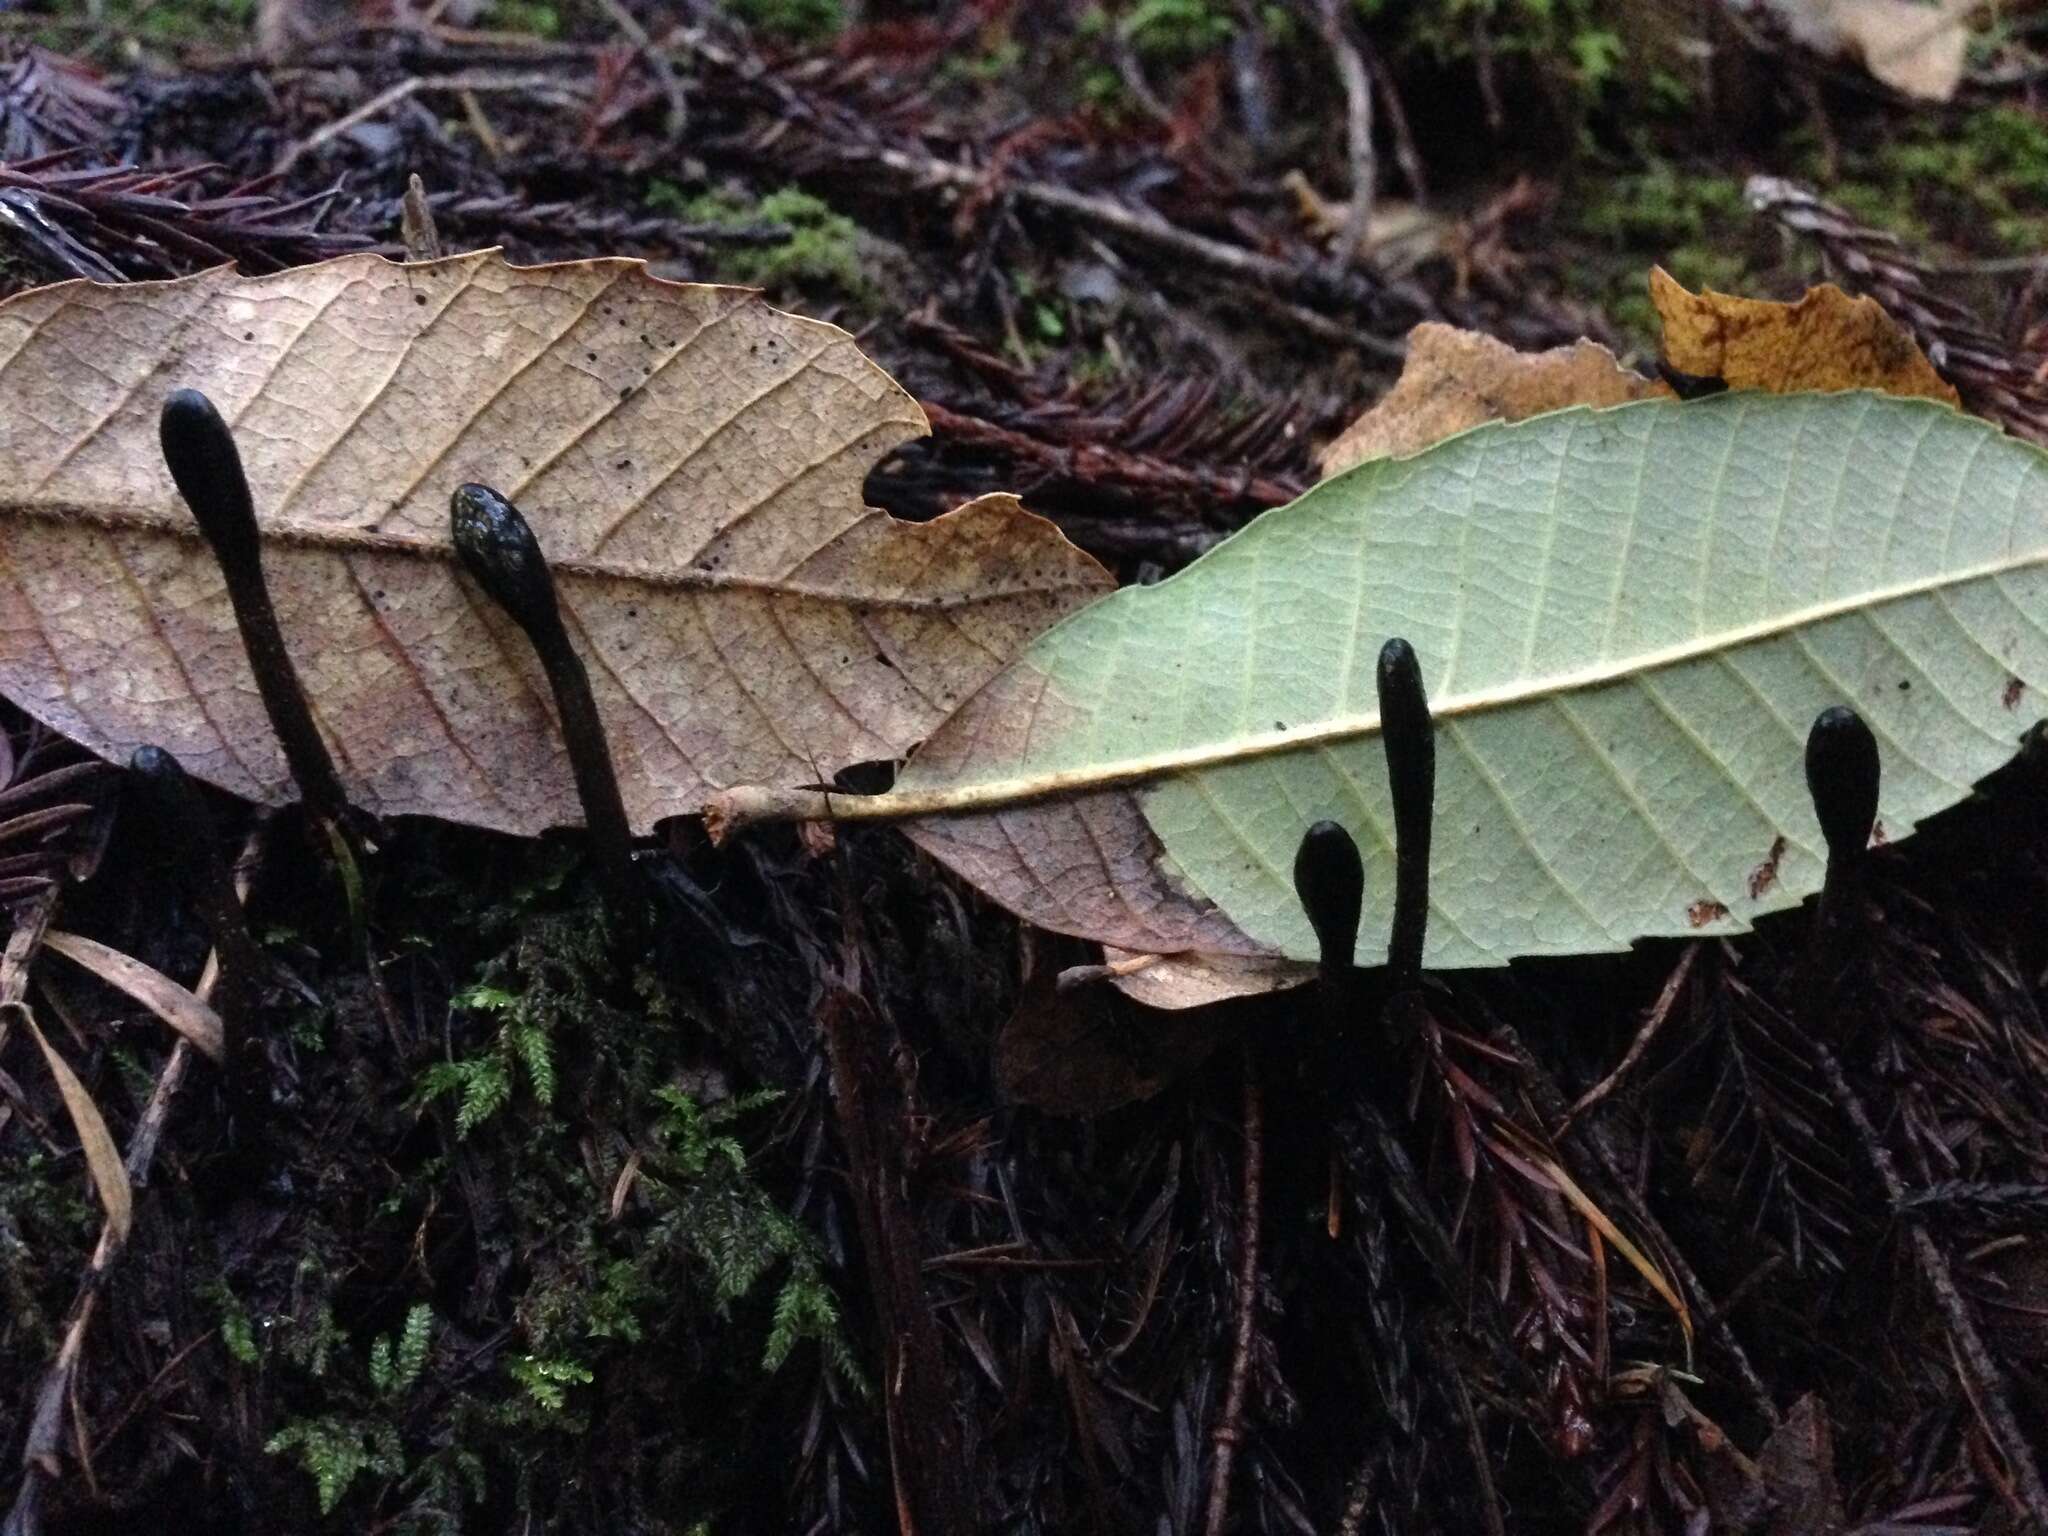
x: 1552, y: 515
x: 170, y: 352
x: 737, y: 677
x: 2026, y: 614
x: 348, y: 428
x: 119, y: 561
x: 1827, y: 569
x: 1219, y: 812
x: 12, y: 573
x: 544, y: 462
x: 1465, y: 520
x: 1879, y: 726
x: 1385, y: 839
x: 505, y: 380
x: 1732, y: 430
x: 810, y: 670
x: 389, y: 640
x: 1630, y: 794
x: 1628, y: 539
x: 588, y: 646
x: 284, y: 354
x: 796, y: 375
x: 1891, y: 523
x: 784, y: 483
x: 1907, y: 658
x: 1948, y: 611
x: 1454, y: 732
x: 1698, y: 743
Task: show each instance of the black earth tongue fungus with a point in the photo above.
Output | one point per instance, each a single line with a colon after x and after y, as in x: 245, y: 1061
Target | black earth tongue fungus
x: 1410, y: 742
x: 499, y: 550
x: 1842, y: 776
x: 179, y: 812
x: 1329, y: 881
x: 204, y: 463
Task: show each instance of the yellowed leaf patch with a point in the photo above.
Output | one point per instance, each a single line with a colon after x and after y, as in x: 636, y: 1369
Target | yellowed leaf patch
x: 1455, y: 380
x: 1825, y: 340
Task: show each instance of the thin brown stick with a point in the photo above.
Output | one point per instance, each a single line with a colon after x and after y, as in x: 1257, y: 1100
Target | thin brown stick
x: 1364, y: 165
x: 1229, y: 1429
x: 385, y: 100
x: 1406, y: 155
x: 1659, y: 1012
x: 678, y: 120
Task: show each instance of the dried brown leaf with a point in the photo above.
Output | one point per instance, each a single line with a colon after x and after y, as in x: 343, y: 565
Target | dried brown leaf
x: 101, y: 1155
x: 1825, y: 340
x: 180, y: 1009
x: 1454, y: 380
x: 1916, y: 47
x: 690, y: 458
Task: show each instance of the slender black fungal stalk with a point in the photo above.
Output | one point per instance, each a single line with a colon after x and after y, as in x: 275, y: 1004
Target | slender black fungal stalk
x: 1410, y: 741
x: 1842, y: 777
x: 208, y: 470
x: 499, y: 549
x: 188, y: 828
x: 1329, y: 879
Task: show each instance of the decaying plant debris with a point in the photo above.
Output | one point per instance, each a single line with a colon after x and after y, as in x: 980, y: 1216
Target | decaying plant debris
x: 801, y: 1188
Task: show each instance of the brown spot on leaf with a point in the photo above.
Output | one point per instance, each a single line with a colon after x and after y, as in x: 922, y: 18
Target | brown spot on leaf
x: 1704, y: 911
x: 1765, y: 875
x: 2015, y: 690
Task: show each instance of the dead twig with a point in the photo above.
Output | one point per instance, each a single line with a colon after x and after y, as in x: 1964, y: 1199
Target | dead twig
x: 1229, y: 1429
x: 405, y: 90
x: 1654, y: 1021
x: 1351, y: 70
x: 677, y: 122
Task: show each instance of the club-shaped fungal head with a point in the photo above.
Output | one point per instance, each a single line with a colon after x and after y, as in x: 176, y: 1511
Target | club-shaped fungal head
x: 172, y: 798
x: 207, y: 469
x: 1329, y: 879
x: 163, y: 773
x: 1409, y: 738
x: 498, y: 548
x: 1404, y: 718
x: 1842, y: 776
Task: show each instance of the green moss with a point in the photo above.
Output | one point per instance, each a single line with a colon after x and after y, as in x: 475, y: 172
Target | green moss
x: 1694, y: 225
x: 1989, y: 173
x: 535, y: 17
x: 822, y: 250
x: 182, y: 23
x: 1662, y: 205
x: 44, y: 1210
x: 795, y: 21
x: 1580, y: 44
x: 1176, y: 31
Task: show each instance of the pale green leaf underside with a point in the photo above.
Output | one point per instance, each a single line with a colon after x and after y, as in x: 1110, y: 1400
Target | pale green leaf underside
x: 1627, y: 620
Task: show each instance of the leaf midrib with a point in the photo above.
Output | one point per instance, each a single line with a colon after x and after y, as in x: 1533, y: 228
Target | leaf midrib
x: 1231, y: 750
x: 346, y: 539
